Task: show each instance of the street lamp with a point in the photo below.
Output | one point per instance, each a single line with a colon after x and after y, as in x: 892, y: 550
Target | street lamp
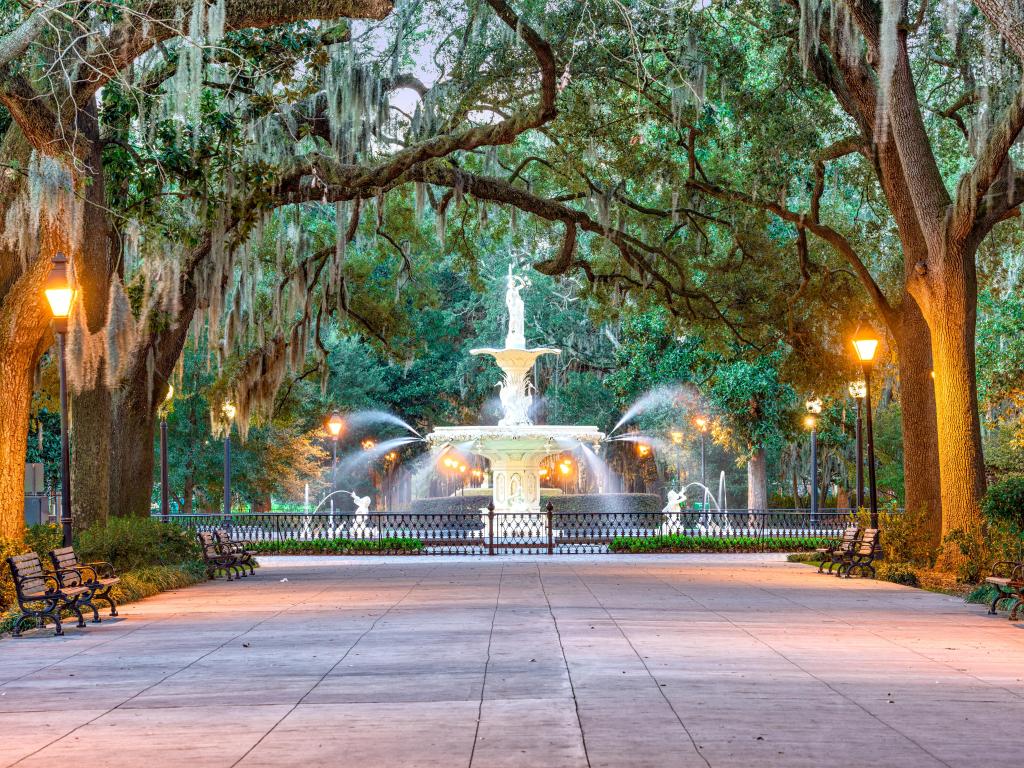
x: 334, y: 425
x: 59, y: 295
x: 165, y: 505
x: 677, y: 441
x: 865, y: 345
x: 814, y: 406
x: 229, y: 411
x: 702, y: 425
x: 858, y: 389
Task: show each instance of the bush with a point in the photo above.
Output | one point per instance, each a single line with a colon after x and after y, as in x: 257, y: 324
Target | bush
x: 38, y: 538
x: 339, y: 546
x: 131, y: 543
x: 1004, y: 502
x: 677, y: 543
x: 898, y: 573
x: 903, y: 536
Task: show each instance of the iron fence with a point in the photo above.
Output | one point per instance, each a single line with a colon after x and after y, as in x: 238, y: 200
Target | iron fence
x: 545, y: 532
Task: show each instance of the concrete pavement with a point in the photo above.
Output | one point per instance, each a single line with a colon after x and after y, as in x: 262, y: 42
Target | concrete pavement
x: 570, y: 661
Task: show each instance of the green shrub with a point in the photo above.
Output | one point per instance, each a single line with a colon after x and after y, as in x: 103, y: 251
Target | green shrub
x: 898, y: 573
x: 976, y: 555
x: 339, y: 546
x: 131, y: 543
x: 680, y: 543
x: 1004, y: 502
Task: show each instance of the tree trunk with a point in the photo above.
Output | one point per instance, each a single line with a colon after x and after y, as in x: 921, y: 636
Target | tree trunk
x: 757, y: 481
x: 90, y: 408
x: 15, y: 399
x: 922, y: 486
x: 131, y: 447
x: 952, y: 322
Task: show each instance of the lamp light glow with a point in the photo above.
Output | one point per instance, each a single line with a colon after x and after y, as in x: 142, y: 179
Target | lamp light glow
x: 229, y: 411
x: 335, y: 424
x: 701, y: 423
x: 858, y: 389
x: 810, y: 421
x: 58, y: 291
x: 677, y: 436
x: 814, y: 405
x: 866, y: 346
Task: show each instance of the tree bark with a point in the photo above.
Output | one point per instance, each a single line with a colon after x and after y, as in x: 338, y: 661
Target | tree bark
x: 90, y: 408
x: 757, y: 481
x: 922, y: 485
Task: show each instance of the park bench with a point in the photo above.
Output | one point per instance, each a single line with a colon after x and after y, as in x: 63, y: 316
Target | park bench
x: 218, y: 559
x: 241, y: 548
x: 40, y: 595
x: 98, y: 577
x: 865, y: 552
x: 1008, y: 579
x: 832, y: 554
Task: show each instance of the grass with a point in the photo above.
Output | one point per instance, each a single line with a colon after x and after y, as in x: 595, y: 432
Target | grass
x: 138, y: 584
x: 339, y: 546
x: 677, y: 543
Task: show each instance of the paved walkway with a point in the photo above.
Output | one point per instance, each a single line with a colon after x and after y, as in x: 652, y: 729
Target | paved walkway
x: 601, y: 661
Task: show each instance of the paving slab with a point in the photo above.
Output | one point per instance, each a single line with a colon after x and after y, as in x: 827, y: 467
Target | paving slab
x: 560, y: 662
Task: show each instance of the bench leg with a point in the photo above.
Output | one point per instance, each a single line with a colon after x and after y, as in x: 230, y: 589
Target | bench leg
x: 999, y: 596
x: 1015, y: 610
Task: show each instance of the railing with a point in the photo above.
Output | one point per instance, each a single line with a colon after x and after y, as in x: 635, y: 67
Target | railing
x: 547, y: 531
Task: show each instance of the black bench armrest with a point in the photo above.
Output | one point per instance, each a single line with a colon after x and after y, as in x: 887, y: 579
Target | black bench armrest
x: 1008, y: 569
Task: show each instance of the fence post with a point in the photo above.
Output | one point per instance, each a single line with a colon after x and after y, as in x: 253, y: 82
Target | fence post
x: 490, y: 528
x: 551, y: 528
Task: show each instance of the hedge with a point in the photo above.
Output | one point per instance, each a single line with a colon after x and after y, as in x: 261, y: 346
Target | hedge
x: 677, y: 543
x: 339, y: 546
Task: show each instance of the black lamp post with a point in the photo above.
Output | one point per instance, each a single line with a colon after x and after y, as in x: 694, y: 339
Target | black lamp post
x: 229, y: 415
x: 165, y: 505
x: 59, y: 295
x: 334, y: 425
x: 702, y: 425
x: 866, y: 345
x: 813, y: 406
x: 677, y: 441
x: 857, y: 391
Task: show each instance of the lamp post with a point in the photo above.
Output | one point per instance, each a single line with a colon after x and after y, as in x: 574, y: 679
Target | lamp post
x: 59, y: 295
x: 229, y: 413
x: 813, y: 406
x: 165, y: 504
x: 677, y: 441
x: 702, y: 425
x: 334, y: 426
x: 858, y: 389
x: 865, y: 346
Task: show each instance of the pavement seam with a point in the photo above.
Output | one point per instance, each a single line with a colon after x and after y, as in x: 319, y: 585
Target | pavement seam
x: 647, y: 669
x: 164, y: 679
x: 487, y: 664
x: 565, y: 661
x: 807, y: 672
x: 334, y: 665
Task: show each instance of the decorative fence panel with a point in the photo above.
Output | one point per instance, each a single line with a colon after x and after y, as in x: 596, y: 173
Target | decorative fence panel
x: 546, y: 532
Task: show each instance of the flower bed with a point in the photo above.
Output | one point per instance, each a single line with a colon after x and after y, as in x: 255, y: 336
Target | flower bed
x: 340, y: 546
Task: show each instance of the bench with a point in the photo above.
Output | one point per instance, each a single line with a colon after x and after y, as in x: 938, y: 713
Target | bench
x: 240, y: 549
x: 1008, y: 579
x: 40, y: 595
x: 835, y: 551
x: 864, y: 554
x: 99, y: 577
x: 216, y: 559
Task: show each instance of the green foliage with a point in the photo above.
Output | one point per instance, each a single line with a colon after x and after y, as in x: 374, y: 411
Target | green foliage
x: 133, y: 543
x: 339, y: 546
x: 679, y: 543
x: 975, y: 555
x: 898, y: 573
x: 1004, y: 502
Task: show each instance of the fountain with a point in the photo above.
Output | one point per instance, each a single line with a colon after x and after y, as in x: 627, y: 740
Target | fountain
x: 516, y: 446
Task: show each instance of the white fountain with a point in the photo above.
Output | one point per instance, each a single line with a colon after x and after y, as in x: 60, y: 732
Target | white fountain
x: 516, y: 446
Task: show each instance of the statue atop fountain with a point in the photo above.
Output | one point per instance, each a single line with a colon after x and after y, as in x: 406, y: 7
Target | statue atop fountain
x: 516, y: 336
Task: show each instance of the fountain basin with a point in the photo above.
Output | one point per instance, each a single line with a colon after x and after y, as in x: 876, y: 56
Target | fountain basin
x: 515, y: 454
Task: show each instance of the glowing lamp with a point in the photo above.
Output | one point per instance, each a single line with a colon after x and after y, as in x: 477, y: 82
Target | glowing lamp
x: 391, y: 456
x: 170, y: 393
x: 368, y: 444
x: 701, y: 423
x: 335, y: 424
x: 814, y: 405
x: 229, y: 410
x: 858, y: 389
x: 543, y: 471
x: 677, y: 437
x: 865, y: 347
x: 810, y: 421
x: 462, y: 467
x: 565, y: 469
x: 643, y: 449
x: 57, y: 288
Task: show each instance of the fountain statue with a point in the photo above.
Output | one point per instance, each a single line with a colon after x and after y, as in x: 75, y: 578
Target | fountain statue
x: 362, y: 508
x: 516, y: 446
